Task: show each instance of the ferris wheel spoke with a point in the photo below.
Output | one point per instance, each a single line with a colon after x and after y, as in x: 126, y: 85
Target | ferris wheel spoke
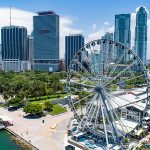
x: 83, y: 68
x: 128, y: 79
x: 94, y: 112
x: 84, y: 77
x: 95, y: 68
x: 94, y: 52
x: 119, y: 74
x: 110, y: 54
x: 109, y: 117
x: 76, y: 102
x: 113, y: 121
x: 116, y: 116
x: 134, y: 77
x: 116, y: 64
x: 90, y: 110
x: 94, y: 61
x: 90, y: 64
x: 105, y: 130
x: 88, y: 107
x: 98, y: 73
x: 123, y: 126
x: 98, y: 111
x: 131, y: 73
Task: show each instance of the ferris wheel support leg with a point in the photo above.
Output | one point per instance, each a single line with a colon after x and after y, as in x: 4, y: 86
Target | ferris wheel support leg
x: 89, y: 109
x: 106, y: 136
x: 102, y: 98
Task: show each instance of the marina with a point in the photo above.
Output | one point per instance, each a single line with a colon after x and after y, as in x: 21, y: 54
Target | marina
x: 6, y: 142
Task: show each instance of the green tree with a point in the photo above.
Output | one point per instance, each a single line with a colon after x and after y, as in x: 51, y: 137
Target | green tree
x: 15, y: 102
x: 29, y: 84
x: 33, y: 109
x: 129, y: 86
x: 48, y: 106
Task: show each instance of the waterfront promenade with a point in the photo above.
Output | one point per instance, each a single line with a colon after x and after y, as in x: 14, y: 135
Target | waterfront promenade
x: 44, y: 136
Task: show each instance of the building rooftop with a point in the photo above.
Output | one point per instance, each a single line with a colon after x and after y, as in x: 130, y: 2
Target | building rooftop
x: 130, y: 100
x: 122, y: 100
x: 13, y: 26
x: 142, y: 9
x: 45, y: 13
x: 74, y: 35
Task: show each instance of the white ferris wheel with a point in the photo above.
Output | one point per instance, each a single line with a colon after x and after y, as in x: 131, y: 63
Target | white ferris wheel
x: 105, y: 75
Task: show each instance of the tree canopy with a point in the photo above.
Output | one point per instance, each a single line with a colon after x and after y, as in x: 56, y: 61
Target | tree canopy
x: 29, y: 84
x: 33, y: 109
x: 48, y: 106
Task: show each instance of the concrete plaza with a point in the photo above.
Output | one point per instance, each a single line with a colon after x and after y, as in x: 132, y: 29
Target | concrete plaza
x: 49, y: 135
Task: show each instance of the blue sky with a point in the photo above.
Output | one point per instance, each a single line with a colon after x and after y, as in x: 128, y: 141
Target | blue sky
x: 84, y: 12
x: 92, y: 18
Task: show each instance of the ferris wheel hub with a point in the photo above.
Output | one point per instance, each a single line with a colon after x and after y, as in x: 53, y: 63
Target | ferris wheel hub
x: 97, y: 89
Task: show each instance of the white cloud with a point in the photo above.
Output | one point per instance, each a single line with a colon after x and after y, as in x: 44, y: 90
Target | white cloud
x: 25, y: 18
x: 106, y: 23
x: 66, y: 28
x: 107, y: 28
x: 133, y: 23
x: 94, y: 27
x: 19, y: 18
x: 99, y: 33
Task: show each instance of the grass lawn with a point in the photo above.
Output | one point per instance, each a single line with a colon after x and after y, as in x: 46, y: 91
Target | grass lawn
x: 1, y: 105
x: 41, y: 102
x: 53, y: 97
x: 57, y: 109
x: 50, y: 97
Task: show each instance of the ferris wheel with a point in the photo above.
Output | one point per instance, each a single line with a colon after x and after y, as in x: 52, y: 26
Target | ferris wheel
x: 104, y: 82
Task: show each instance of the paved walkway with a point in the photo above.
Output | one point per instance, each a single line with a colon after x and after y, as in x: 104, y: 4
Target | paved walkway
x: 40, y: 134
x: 146, y: 138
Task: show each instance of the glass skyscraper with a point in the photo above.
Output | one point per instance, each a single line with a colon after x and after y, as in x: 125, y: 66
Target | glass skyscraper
x: 141, y: 34
x: 122, y: 32
x: 15, y: 52
x: 107, y: 50
x: 72, y: 44
x: 14, y: 43
x: 46, y: 39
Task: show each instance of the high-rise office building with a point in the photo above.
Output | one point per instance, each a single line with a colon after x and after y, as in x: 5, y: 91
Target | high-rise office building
x: 31, y: 50
x: 108, y: 36
x: 107, y: 49
x: 141, y: 34
x: 72, y: 44
x: 122, y: 33
x: 46, y: 41
x: 15, y: 53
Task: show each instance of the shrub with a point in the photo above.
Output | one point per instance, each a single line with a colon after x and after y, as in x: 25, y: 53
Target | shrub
x: 57, y: 109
